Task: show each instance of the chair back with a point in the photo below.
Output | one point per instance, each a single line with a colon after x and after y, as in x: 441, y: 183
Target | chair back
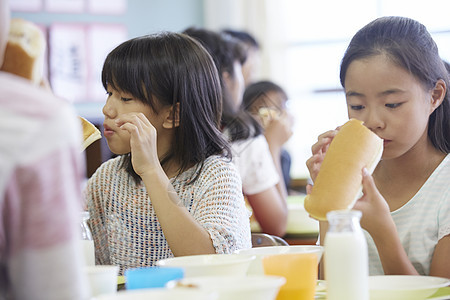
x: 265, y: 240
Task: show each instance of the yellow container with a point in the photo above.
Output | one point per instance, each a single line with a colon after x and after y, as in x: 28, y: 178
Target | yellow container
x: 300, y: 271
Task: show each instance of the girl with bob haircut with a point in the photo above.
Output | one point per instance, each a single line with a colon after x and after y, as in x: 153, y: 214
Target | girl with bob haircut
x: 266, y: 94
x: 172, y: 190
x: 396, y: 82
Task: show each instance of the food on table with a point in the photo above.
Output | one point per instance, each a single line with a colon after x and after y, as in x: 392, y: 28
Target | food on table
x: 339, y: 182
x: 90, y: 133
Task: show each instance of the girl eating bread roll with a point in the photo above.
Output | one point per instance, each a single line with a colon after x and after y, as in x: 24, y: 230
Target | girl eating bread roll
x: 172, y: 190
x: 396, y: 83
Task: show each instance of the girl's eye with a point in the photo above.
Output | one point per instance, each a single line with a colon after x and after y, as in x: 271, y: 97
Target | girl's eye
x: 393, y: 105
x: 125, y: 99
x: 356, y: 107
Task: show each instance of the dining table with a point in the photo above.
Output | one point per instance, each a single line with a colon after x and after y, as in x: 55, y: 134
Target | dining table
x: 300, y: 229
x: 442, y: 293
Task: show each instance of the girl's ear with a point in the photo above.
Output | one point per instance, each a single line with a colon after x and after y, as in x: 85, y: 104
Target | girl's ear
x: 172, y: 118
x: 438, y: 94
x: 227, y: 79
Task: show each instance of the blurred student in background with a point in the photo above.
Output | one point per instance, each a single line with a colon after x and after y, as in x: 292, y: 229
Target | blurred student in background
x: 263, y: 184
x: 251, y: 66
x: 266, y: 101
x: 41, y: 171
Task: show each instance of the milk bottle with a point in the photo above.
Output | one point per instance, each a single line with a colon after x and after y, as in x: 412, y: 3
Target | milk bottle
x: 346, y: 261
x: 87, y: 243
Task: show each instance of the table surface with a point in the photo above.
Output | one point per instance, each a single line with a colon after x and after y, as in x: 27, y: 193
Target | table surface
x: 441, y: 294
x: 301, y: 229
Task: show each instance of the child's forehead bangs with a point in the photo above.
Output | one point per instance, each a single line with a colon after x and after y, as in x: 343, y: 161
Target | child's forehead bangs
x: 122, y: 72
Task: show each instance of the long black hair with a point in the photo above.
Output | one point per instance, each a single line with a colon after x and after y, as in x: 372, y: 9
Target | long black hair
x: 225, y: 50
x: 408, y: 44
x: 169, y: 69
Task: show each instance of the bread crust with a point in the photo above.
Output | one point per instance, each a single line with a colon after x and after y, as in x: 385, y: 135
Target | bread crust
x: 90, y: 133
x: 339, y: 182
x: 25, y: 51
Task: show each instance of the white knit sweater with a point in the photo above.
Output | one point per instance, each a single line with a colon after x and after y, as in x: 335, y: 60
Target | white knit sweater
x: 124, y: 224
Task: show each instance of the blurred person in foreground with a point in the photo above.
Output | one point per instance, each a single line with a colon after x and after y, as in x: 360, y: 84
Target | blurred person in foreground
x: 41, y: 169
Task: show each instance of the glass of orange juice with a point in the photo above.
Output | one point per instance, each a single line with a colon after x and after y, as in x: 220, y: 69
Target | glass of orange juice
x: 300, y: 271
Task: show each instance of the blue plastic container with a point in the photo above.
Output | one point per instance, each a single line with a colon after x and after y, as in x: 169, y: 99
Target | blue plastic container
x: 151, y: 277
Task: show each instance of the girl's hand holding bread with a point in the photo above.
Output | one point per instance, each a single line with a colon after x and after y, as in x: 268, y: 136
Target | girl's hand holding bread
x: 338, y: 183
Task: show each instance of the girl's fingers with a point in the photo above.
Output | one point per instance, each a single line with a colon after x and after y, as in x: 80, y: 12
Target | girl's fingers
x: 130, y: 127
x: 139, y: 120
x: 309, y: 188
x: 369, y: 187
x: 323, y: 141
x: 313, y: 160
x: 134, y: 118
x: 313, y: 164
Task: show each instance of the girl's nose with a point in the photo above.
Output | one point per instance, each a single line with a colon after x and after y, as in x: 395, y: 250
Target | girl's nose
x: 373, y: 120
x: 108, y: 109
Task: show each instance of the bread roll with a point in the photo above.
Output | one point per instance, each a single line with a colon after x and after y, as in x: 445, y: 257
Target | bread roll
x: 267, y: 114
x: 90, y: 133
x: 25, y: 50
x: 339, y: 182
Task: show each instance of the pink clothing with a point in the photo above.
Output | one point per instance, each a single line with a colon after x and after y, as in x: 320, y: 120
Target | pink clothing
x: 41, y: 169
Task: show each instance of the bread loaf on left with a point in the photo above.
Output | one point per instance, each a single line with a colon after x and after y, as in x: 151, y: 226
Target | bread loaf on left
x: 25, y: 50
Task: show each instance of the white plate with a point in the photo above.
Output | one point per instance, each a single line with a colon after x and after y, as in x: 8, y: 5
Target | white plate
x: 397, y: 287
x: 404, y: 287
x: 160, y: 294
x: 262, y: 287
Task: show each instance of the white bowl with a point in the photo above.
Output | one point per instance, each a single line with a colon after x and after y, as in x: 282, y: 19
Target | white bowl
x: 404, y: 287
x: 258, y: 287
x: 161, y: 294
x: 256, y: 267
x: 102, y: 279
x: 210, y: 264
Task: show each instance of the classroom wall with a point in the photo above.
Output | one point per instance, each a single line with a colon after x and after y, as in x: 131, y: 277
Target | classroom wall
x: 142, y: 16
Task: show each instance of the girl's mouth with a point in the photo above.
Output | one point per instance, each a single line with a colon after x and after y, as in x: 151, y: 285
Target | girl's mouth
x: 107, y: 131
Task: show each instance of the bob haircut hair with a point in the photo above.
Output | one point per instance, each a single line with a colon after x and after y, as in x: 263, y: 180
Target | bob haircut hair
x: 226, y: 50
x: 169, y: 69
x: 255, y: 90
x: 408, y: 44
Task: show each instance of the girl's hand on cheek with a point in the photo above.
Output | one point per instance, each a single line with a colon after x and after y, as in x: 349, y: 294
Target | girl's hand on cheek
x: 144, y: 156
x: 375, y: 210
